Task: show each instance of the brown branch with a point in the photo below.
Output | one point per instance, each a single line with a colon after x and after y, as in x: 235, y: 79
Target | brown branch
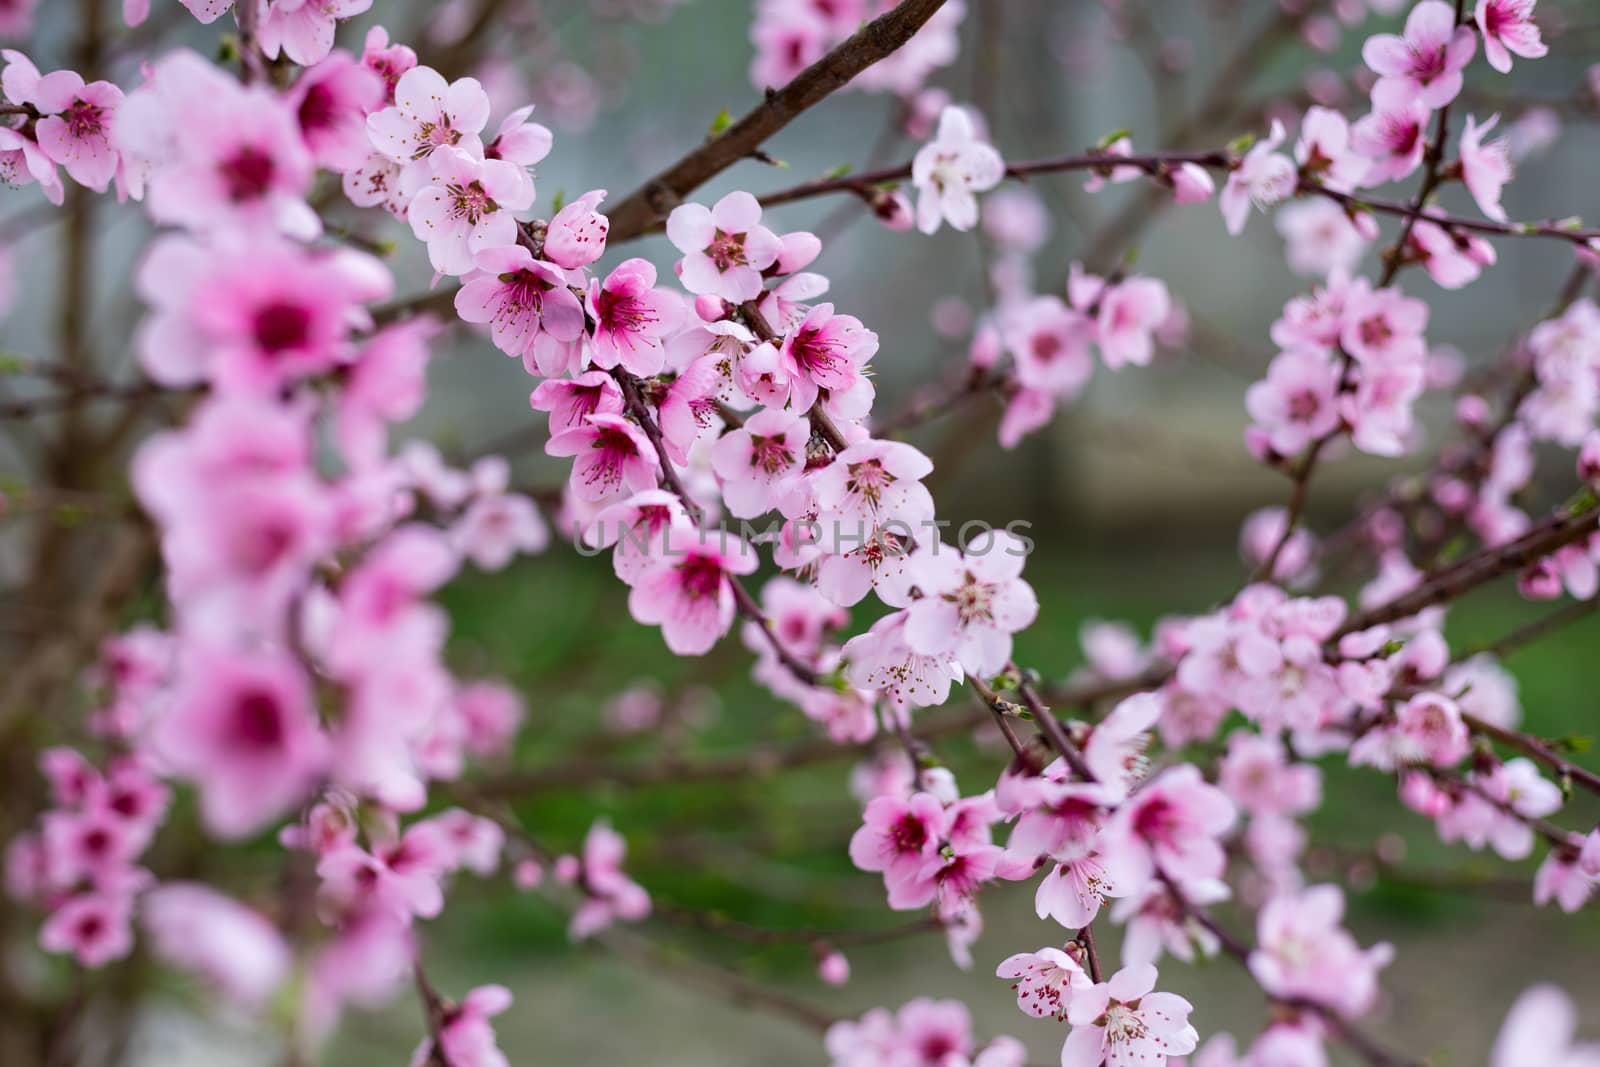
x: 1479, y: 567
x: 644, y: 209
x: 1537, y: 749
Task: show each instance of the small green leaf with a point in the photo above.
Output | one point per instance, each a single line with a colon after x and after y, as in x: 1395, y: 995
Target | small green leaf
x: 556, y: 201
x: 1112, y: 138
x: 719, y: 124
x: 837, y: 172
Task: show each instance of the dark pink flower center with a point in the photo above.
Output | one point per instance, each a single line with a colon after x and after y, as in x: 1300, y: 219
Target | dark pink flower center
x: 318, y: 111
x: 247, y: 175
x: 727, y: 250
x: 257, y: 721
x: 700, y: 576
x: 281, y: 327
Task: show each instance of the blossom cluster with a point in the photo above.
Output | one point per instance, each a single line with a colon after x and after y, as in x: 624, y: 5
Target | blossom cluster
x: 297, y: 684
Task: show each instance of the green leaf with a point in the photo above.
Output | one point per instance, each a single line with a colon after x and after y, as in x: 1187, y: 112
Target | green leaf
x: 837, y: 172
x: 719, y: 124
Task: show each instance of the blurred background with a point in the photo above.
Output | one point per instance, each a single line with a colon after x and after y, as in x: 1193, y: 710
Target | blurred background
x: 1136, y: 494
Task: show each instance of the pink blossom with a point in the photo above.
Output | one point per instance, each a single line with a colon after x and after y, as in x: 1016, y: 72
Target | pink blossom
x: 1171, y: 826
x: 467, y: 207
x: 244, y: 729
x: 1394, y: 137
x: 428, y: 114
x: 950, y: 170
x: 1321, y: 237
x: 1045, y: 981
x: 971, y: 604
x: 1130, y: 312
x: 613, y: 457
x: 526, y: 143
x: 1075, y: 890
x: 1324, y: 151
x: 758, y: 461
x: 688, y: 590
x: 1123, y: 1022
x: 1427, y: 729
x: 236, y: 158
x: 1262, y: 178
x: 1296, y: 403
x: 389, y: 61
x: 1453, y: 258
x: 496, y: 527
x: 1561, y: 879
x: 1115, y: 751
x: 725, y: 248
x: 576, y: 236
x: 95, y: 928
x: 1485, y: 168
x: 1305, y: 952
x: 530, y: 312
x: 869, y: 484
x: 630, y: 318
x: 825, y: 352
x: 399, y: 876
x: 331, y: 102
x: 303, y: 30
x: 1155, y: 922
x: 638, y: 527
x: 251, y: 321
x: 232, y: 948
x: 76, y: 128
x: 465, y: 1036
x: 1257, y: 774
x: 1508, y: 27
x: 1050, y: 343
x: 1426, y: 63
x: 898, y: 837
x: 609, y: 894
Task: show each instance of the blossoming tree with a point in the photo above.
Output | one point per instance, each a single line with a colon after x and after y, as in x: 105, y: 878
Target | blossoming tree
x: 286, y: 687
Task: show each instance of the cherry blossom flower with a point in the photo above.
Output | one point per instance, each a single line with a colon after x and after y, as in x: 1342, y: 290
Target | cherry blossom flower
x: 467, y: 207
x: 1296, y: 403
x: 972, y: 603
x: 869, y: 484
x: 235, y: 159
x: 303, y: 30
x: 1394, y: 137
x: 758, y: 461
x: 465, y: 1036
x: 76, y: 128
x: 243, y: 727
x: 1045, y: 981
x: 1426, y: 63
x: 1321, y: 238
x: 1508, y: 27
x: 1050, y: 343
x: 881, y: 659
x: 253, y: 320
x: 1123, y: 1022
x: 233, y: 948
x: 498, y: 526
x: 331, y: 103
x: 825, y: 351
x: 1305, y: 953
x: 1130, y: 312
x: 95, y: 928
x: 1170, y: 826
x: 530, y: 312
x: 609, y: 894
x: 725, y: 248
x: 950, y: 170
x: 1324, y: 151
x: 430, y: 113
x: 688, y: 591
x: 630, y: 318
x: 1074, y: 891
x: 576, y: 236
x: 614, y: 457
x: 1485, y: 168
x: 1262, y: 178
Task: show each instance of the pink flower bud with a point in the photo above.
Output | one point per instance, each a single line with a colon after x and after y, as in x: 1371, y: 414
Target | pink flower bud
x: 576, y: 237
x: 832, y: 967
